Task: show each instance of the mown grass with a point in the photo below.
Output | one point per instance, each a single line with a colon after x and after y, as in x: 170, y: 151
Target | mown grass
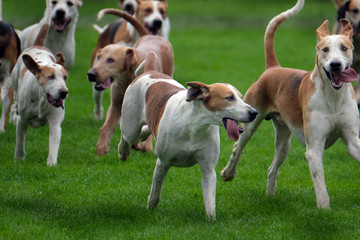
x: 90, y: 197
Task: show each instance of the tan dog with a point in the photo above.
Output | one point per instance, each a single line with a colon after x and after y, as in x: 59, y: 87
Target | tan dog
x: 318, y: 107
x: 351, y: 11
x: 185, y: 124
x: 116, y: 64
x: 151, y: 14
x: 10, y: 50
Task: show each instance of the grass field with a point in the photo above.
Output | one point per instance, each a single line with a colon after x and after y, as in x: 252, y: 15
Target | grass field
x: 90, y: 197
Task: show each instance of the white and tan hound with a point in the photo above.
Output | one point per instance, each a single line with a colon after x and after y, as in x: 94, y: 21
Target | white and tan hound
x: 185, y: 124
x: 39, y: 84
x: 318, y: 107
x: 61, y: 36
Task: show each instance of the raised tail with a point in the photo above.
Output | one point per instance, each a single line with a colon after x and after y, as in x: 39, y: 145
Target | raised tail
x: 45, y: 25
x: 137, y: 25
x: 270, y: 56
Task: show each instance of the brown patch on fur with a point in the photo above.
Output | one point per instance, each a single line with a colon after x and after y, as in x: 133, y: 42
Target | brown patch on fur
x: 45, y: 73
x: 217, y: 97
x: 146, y: 8
x: 156, y: 98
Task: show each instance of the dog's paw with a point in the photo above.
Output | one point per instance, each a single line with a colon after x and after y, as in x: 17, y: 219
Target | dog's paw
x: 51, y: 161
x: 226, y: 176
x: 99, y: 114
x: 124, y: 150
x: 102, y: 149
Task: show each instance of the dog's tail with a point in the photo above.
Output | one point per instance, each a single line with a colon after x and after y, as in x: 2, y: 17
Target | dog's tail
x: 147, y: 65
x: 270, y: 56
x: 137, y: 25
x: 45, y: 25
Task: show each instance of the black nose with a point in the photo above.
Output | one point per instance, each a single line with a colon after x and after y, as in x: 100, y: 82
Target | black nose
x: 157, y: 24
x: 252, y: 114
x: 129, y: 8
x: 63, y: 94
x: 335, y: 66
x: 60, y: 14
x: 92, y: 76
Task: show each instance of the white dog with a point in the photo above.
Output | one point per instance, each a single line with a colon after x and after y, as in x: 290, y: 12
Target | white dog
x: 62, y: 30
x: 318, y: 107
x: 184, y: 124
x: 39, y: 84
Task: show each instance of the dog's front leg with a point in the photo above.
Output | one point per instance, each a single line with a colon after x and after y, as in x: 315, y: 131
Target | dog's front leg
x: 208, y: 184
x: 21, y: 129
x: 160, y: 172
x: 98, y: 108
x: 314, y: 154
x: 54, y: 141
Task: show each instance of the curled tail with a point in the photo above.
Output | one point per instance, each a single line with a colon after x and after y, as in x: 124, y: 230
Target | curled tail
x: 45, y: 25
x: 137, y: 25
x: 270, y: 56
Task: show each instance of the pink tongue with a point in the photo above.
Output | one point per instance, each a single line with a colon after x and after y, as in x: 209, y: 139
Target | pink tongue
x: 106, y: 84
x: 232, y: 129
x: 349, y: 75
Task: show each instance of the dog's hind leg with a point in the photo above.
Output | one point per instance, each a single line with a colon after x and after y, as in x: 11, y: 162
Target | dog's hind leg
x: 98, y: 108
x: 160, y: 172
x: 229, y: 172
x: 282, y: 147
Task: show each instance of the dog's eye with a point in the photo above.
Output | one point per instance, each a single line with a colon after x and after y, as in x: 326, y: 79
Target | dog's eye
x: 230, y: 98
x: 148, y: 10
x: 355, y: 11
x: 110, y: 60
x: 343, y: 48
x: 54, y: 2
x: 325, y: 49
x: 51, y: 77
x: 70, y: 4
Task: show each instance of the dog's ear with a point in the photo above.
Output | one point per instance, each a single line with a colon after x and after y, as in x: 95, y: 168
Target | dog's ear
x: 323, y: 30
x: 130, y: 58
x: 31, y: 65
x: 164, y: 2
x: 346, y: 30
x: 80, y: 3
x: 61, y: 59
x: 197, y: 90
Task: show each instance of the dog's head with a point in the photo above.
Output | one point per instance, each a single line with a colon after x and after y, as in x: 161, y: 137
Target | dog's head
x: 152, y: 15
x: 335, y: 54
x: 51, y: 77
x: 128, y: 5
x: 64, y: 12
x: 351, y: 11
x: 113, y: 62
x: 226, y: 103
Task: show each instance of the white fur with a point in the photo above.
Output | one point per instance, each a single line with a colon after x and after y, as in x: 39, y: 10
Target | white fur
x: 64, y: 41
x: 31, y: 105
x: 188, y: 133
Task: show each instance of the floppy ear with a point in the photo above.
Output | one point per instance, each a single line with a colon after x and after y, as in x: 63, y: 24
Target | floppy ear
x: 130, y: 58
x: 61, y: 59
x: 323, y: 30
x: 80, y: 3
x: 197, y: 90
x: 346, y: 30
x: 164, y: 2
x: 31, y: 65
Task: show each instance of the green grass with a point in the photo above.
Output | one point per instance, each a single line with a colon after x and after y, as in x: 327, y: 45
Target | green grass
x: 90, y: 197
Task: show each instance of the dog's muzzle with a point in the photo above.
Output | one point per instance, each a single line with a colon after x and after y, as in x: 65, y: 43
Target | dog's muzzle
x: 338, y: 77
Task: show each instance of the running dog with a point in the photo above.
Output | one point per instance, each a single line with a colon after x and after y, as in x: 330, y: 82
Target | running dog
x: 185, y: 124
x: 61, y: 36
x: 40, y: 90
x: 151, y: 14
x: 10, y: 50
x: 318, y: 107
x: 115, y: 66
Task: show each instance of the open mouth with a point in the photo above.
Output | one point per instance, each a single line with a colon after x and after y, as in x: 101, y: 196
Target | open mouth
x: 152, y: 30
x: 61, y: 23
x: 232, y: 128
x: 104, y: 85
x: 55, y: 102
x: 337, y: 78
